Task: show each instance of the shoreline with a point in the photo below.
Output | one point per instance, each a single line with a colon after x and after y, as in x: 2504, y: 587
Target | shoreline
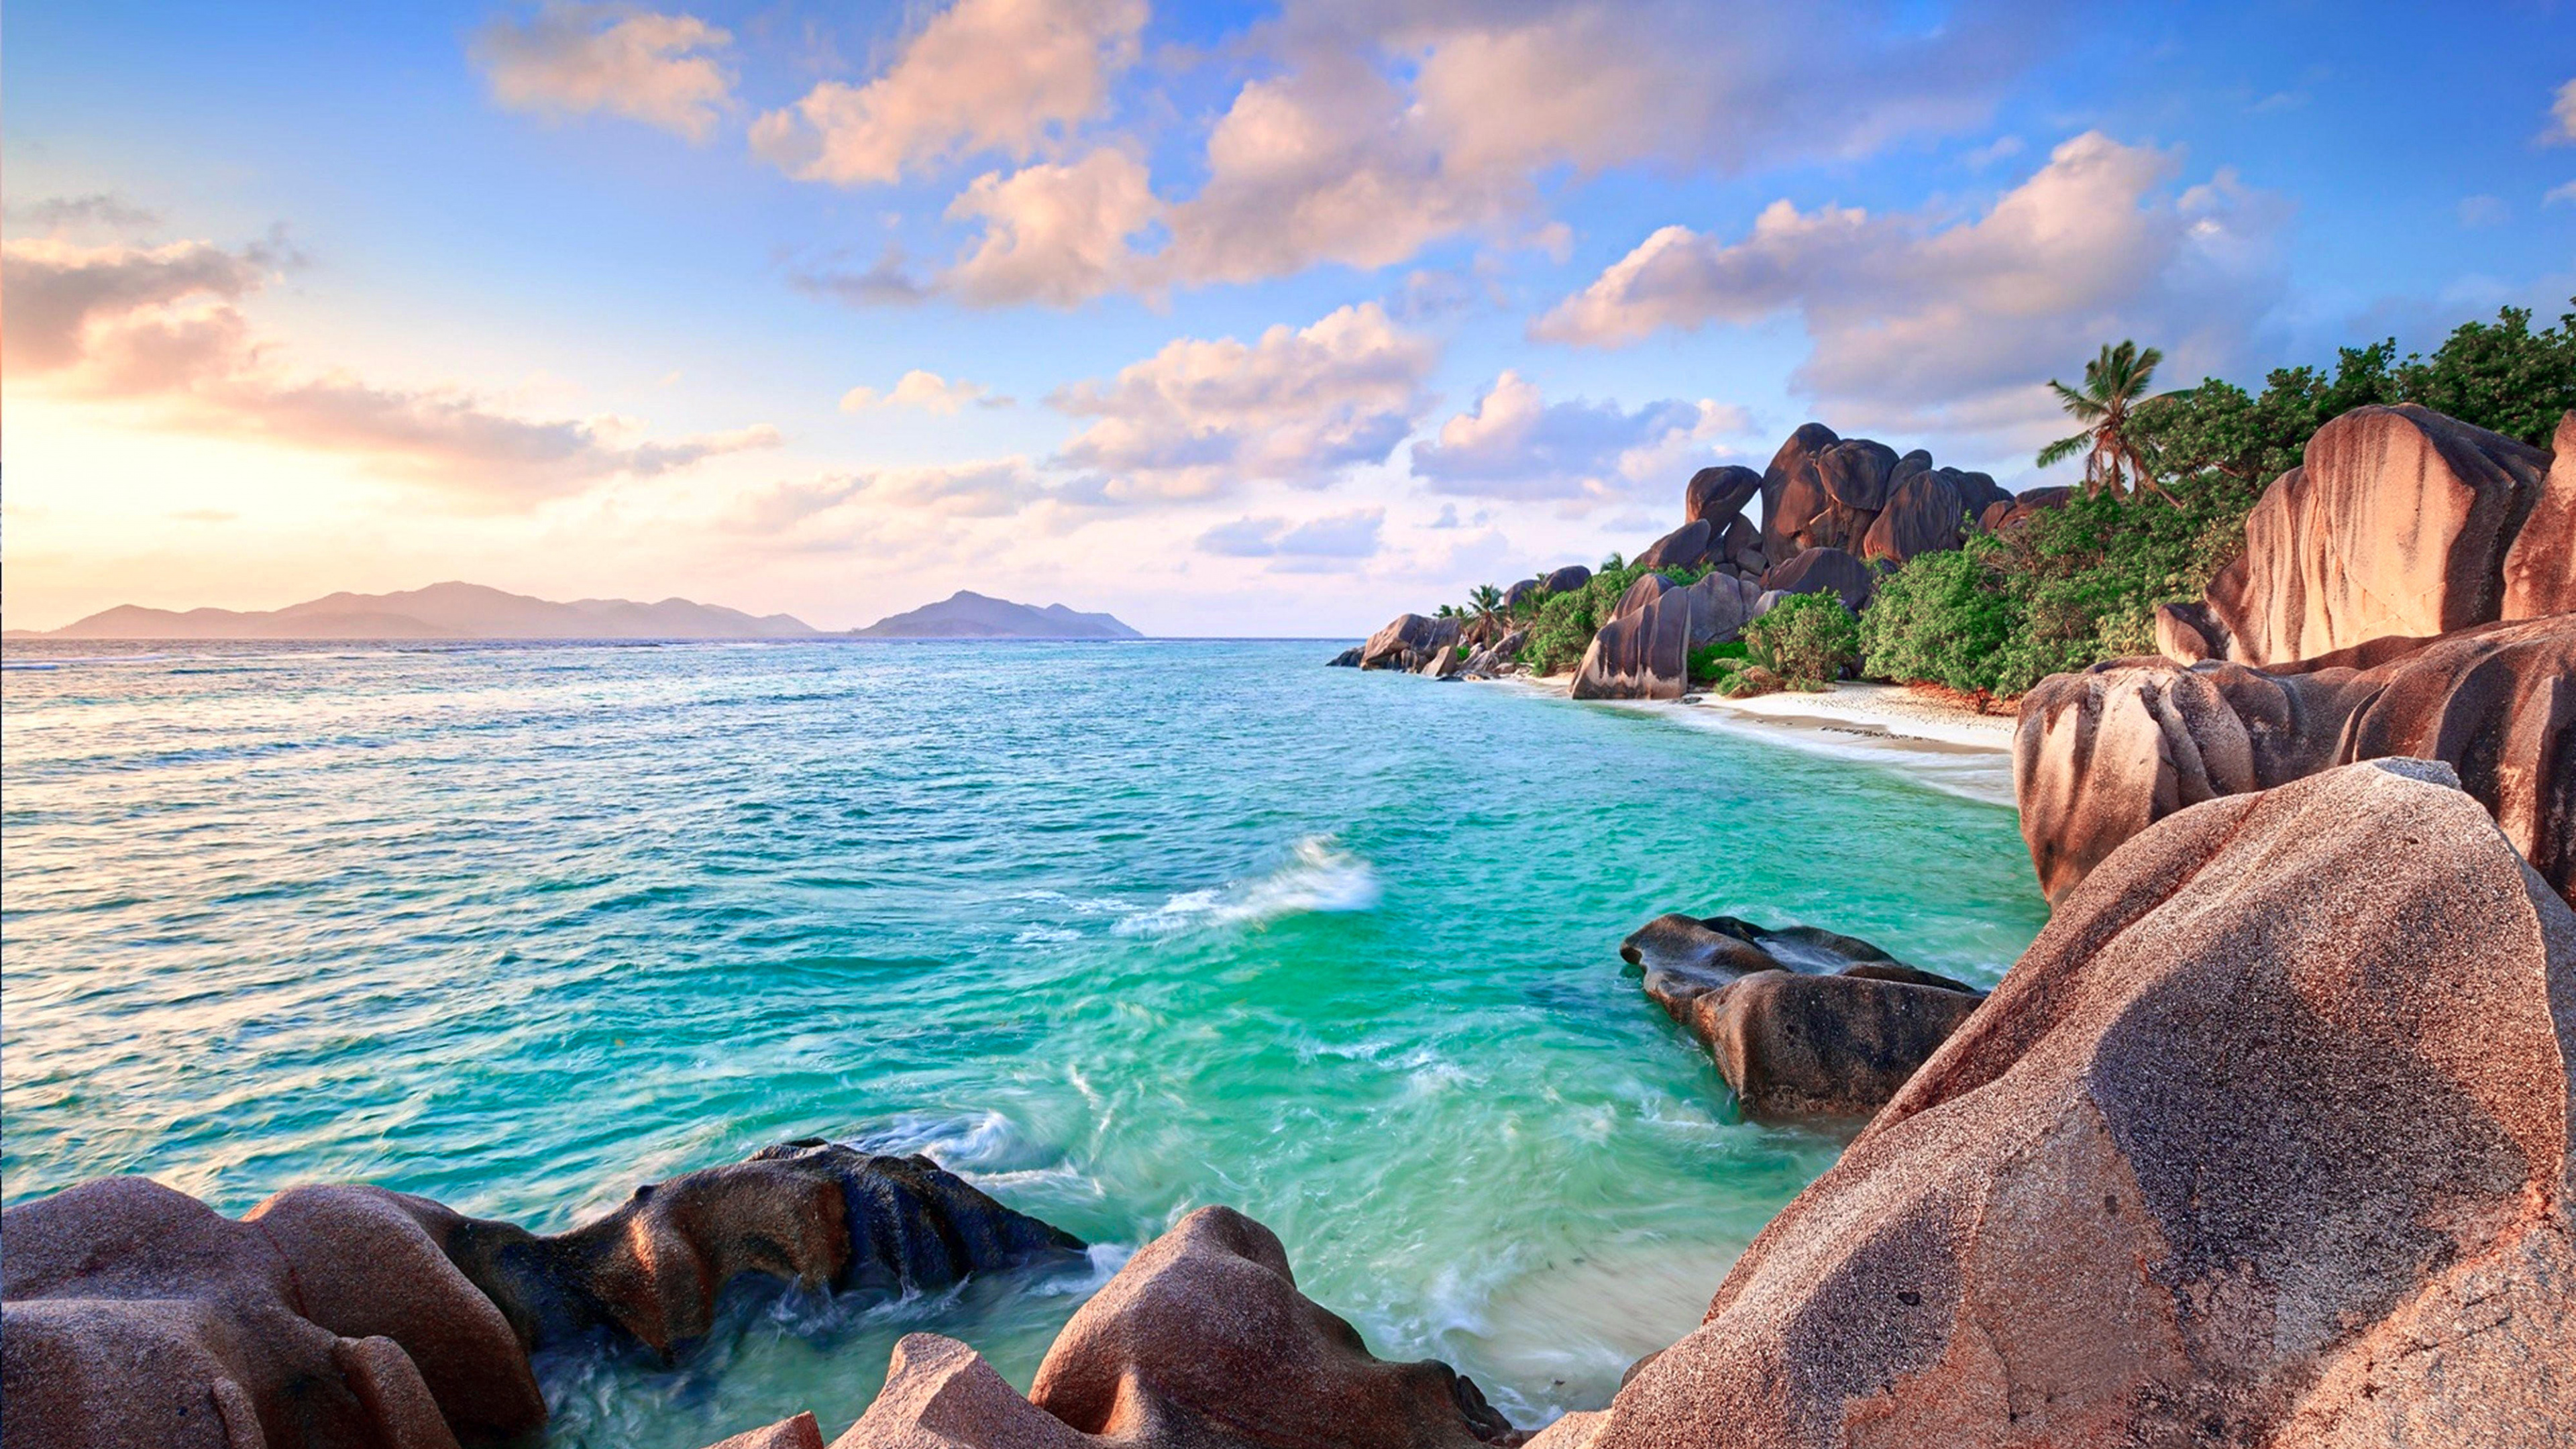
x: 1914, y: 733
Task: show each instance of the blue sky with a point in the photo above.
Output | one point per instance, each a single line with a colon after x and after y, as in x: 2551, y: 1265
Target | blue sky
x: 1241, y: 319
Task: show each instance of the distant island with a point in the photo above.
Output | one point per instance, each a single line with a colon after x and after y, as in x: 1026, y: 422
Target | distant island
x: 473, y: 611
x: 968, y: 615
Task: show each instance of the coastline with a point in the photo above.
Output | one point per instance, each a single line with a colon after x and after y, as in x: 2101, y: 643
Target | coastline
x: 1913, y: 732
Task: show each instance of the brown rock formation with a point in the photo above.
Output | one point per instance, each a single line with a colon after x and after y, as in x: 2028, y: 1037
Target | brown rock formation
x: 1716, y: 496
x: 1924, y: 514
x: 2540, y: 568
x: 2263, y: 1142
x: 1201, y: 1342
x: 1805, y: 1025
x: 800, y: 1432
x: 1408, y: 642
x: 1792, y: 494
x: 2102, y: 755
x: 351, y: 1316
x: 2396, y: 523
x: 1643, y: 652
x: 1567, y: 579
x: 1824, y: 571
x: 2006, y: 513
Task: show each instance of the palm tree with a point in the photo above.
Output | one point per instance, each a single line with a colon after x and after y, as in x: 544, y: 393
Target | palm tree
x: 2114, y: 384
x: 1485, y: 605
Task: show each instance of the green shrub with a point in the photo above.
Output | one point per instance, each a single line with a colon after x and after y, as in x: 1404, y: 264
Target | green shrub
x: 1943, y: 618
x: 1807, y: 639
x: 1748, y: 681
x: 1713, y: 662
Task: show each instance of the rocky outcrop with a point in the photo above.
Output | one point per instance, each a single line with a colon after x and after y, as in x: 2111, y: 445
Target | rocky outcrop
x: 1824, y: 571
x: 1408, y: 642
x: 1347, y: 659
x: 1201, y: 1342
x: 2100, y: 756
x: 1806, y: 1025
x: 1567, y: 579
x: 1716, y: 496
x: 1924, y: 514
x: 2002, y: 515
x: 1792, y: 493
x: 351, y: 1316
x: 1498, y: 658
x: 2265, y: 1141
x: 2397, y: 523
x: 1643, y: 652
x: 2540, y: 568
x: 1696, y: 544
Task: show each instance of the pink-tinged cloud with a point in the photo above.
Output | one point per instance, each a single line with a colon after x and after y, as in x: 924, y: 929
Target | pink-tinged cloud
x: 577, y: 59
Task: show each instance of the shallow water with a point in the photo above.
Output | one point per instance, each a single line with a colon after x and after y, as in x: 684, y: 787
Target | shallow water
x: 1116, y: 930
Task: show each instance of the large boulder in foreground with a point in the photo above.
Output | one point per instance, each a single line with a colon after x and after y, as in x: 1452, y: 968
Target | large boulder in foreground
x: 1408, y: 642
x: 334, y: 1316
x: 2100, y: 756
x: 1201, y: 1342
x: 1806, y: 1025
x: 2264, y: 1142
x: 1643, y: 652
x: 2397, y: 523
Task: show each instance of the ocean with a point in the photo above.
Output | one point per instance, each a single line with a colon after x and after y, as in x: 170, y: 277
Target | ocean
x: 1114, y: 930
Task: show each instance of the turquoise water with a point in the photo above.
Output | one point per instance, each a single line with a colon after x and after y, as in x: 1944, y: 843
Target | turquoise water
x: 1116, y: 930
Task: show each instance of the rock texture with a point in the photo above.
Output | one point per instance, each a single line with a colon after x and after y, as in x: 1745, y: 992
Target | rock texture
x: 2397, y: 523
x: 2540, y: 568
x: 1643, y: 652
x: 1824, y: 571
x: 2003, y: 514
x: 351, y: 1316
x: 2100, y: 756
x: 1201, y: 1342
x: 1716, y: 496
x: 1408, y: 642
x: 1924, y: 514
x: 1805, y: 1025
x: 2264, y: 1142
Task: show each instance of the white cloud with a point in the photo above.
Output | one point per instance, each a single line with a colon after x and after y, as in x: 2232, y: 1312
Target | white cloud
x: 1053, y: 233
x: 1298, y: 405
x: 572, y: 59
x: 2563, y: 191
x: 162, y: 326
x: 1517, y: 445
x: 981, y: 76
x: 2562, y: 115
x: 1391, y: 127
x: 927, y: 391
x: 1341, y: 537
x: 1916, y: 310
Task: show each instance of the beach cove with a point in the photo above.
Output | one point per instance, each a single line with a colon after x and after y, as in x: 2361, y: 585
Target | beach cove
x: 1113, y: 930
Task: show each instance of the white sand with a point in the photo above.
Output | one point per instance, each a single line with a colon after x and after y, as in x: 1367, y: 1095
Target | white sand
x: 1916, y: 733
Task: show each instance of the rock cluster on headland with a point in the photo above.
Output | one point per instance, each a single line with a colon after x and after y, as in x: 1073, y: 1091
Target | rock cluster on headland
x: 335, y: 1316
x: 2405, y: 591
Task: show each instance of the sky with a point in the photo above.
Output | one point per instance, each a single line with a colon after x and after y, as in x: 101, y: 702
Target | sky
x: 1229, y: 319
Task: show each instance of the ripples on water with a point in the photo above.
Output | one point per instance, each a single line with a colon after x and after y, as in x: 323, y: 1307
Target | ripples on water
x: 1115, y: 930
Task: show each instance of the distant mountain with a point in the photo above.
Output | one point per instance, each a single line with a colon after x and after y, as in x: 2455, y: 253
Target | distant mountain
x: 442, y: 611
x: 966, y: 615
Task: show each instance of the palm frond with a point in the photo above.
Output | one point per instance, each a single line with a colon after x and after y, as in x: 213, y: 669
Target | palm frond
x: 2063, y: 449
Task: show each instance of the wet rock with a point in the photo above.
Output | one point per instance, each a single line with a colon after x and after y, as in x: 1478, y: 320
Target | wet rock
x: 1201, y: 1342
x: 2397, y: 522
x: 1924, y: 514
x: 2263, y: 1142
x: 1824, y: 571
x: 2102, y: 755
x: 1806, y: 1025
x: 1408, y: 642
x: 349, y: 1316
x: 1716, y: 496
x: 2540, y: 568
x: 1347, y: 659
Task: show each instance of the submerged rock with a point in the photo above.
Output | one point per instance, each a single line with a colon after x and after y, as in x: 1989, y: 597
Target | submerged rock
x: 2100, y: 756
x: 1201, y: 1342
x: 2263, y: 1142
x: 1347, y: 659
x: 336, y: 1316
x: 1806, y: 1025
